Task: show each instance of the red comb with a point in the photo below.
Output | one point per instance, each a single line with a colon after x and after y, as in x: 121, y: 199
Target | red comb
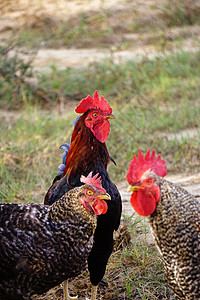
x: 138, y: 166
x: 93, y: 103
x: 94, y: 181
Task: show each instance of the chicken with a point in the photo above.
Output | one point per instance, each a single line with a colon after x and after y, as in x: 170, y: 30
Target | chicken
x: 41, y: 245
x: 173, y: 215
x: 88, y: 152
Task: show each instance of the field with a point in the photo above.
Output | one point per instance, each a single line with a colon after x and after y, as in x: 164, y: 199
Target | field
x: 144, y: 58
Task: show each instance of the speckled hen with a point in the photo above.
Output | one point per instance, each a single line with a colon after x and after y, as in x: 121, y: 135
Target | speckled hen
x: 173, y: 215
x: 41, y: 246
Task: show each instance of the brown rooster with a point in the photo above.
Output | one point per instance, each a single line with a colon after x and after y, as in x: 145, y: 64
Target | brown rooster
x: 173, y: 215
x: 88, y: 152
x: 41, y: 246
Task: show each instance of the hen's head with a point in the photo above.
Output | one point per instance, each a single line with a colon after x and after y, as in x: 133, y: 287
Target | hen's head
x: 92, y: 194
x: 142, y: 177
x: 98, y: 111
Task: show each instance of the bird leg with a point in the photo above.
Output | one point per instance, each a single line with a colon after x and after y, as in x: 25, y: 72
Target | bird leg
x: 94, y: 292
x: 66, y: 295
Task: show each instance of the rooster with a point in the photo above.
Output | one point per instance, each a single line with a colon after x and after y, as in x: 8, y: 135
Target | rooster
x: 88, y: 152
x: 173, y: 215
x: 41, y: 246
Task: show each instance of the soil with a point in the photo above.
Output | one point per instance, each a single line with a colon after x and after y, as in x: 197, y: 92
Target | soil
x: 16, y: 15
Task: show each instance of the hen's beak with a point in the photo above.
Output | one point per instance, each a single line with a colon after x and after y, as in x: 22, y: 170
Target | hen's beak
x: 110, y: 116
x: 104, y: 197
x: 134, y: 188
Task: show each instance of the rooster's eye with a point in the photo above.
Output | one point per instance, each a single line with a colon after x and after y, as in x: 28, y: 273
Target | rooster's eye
x: 90, y: 192
x: 148, y: 181
x: 95, y: 115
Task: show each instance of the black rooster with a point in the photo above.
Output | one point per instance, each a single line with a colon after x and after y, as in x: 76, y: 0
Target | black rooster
x: 88, y: 152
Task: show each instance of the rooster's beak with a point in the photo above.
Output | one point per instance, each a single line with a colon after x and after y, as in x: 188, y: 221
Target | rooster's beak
x: 110, y: 116
x: 104, y: 197
x: 134, y: 188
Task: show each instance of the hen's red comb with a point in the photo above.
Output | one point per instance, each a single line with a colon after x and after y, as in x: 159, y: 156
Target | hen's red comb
x: 94, y: 181
x: 138, y: 167
x: 93, y: 103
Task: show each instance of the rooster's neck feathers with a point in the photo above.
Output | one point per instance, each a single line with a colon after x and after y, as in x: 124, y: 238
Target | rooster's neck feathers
x: 84, y: 150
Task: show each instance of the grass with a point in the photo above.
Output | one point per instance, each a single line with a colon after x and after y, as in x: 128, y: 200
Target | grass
x: 150, y: 99
x: 106, y: 27
x: 80, y: 30
x: 28, y: 149
x: 179, y: 13
x: 159, y: 80
x: 141, y: 276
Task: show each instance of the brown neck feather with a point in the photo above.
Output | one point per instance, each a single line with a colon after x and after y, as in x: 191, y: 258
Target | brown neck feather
x: 84, y: 150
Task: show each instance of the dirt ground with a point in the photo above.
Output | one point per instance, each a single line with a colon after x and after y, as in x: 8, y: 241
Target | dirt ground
x: 17, y: 14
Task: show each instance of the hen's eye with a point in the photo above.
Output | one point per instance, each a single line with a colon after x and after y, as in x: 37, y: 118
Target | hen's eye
x: 90, y: 192
x: 95, y: 115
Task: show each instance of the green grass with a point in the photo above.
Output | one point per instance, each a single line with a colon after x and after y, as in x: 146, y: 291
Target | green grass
x: 105, y: 28
x: 159, y: 80
x: 150, y: 99
x: 181, y: 13
x: 28, y: 150
x: 80, y: 30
